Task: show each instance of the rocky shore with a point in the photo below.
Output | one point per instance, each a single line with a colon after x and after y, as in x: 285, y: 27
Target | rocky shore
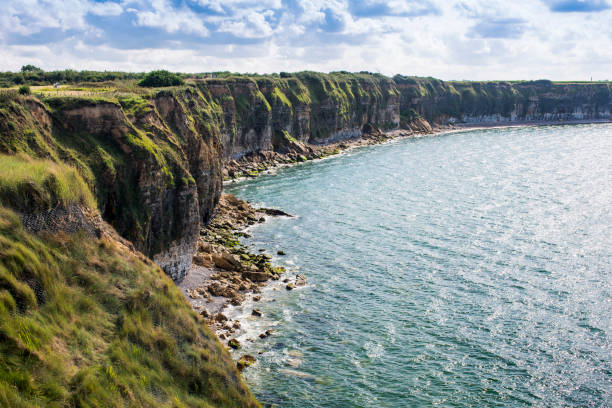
x: 225, y: 272
x: 253, y: 164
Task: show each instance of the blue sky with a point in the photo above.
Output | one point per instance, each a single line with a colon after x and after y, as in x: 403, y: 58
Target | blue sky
x: 462, y: 39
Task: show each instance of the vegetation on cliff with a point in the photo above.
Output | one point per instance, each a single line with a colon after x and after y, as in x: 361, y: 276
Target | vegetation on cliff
x: 86, y: 322
x: 161, y: 78
x: 30, y: 185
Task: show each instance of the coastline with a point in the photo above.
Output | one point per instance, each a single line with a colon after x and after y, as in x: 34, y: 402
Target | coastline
x: 252, y: 165
x: 226, y: 274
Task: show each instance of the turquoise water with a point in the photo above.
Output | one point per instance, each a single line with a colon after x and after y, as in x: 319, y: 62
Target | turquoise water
x: 466, y: 270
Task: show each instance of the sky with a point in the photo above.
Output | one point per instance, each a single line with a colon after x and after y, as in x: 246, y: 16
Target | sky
x: 452, y: 39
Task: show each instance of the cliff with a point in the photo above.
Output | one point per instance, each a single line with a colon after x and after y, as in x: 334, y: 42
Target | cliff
x: 86, y: 319
x: 154, y: 158
x: 502, y: 102
x: 93, y: 178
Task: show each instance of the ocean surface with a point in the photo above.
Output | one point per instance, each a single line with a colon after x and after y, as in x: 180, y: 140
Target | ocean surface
x: 471, y: 269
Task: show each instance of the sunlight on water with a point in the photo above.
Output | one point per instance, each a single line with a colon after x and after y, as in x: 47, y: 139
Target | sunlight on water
x: 469, y: 269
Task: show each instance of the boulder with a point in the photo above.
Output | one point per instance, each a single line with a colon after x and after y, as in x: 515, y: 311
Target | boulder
x: 257, y: 313
x: 256, y: 276
x: 234, y: 343
x: 205, y: 247
x: 227, y: 261
x: 245, y: 361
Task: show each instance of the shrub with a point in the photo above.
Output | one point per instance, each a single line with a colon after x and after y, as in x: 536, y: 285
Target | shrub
x: 24, y: 90
x: 30, y: 68
x: 161, y: 78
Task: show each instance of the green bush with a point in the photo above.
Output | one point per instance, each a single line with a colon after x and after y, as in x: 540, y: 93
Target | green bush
x: 161, y: 78
x: 24, y: 90
x: 30, y: 68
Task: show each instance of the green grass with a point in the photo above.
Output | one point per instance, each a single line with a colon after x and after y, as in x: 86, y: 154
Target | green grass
x: 29, y: 185
x: 85, y: 322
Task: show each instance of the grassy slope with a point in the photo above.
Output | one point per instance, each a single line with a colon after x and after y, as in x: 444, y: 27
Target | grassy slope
x: 27, y: 184
x: 87, y: 322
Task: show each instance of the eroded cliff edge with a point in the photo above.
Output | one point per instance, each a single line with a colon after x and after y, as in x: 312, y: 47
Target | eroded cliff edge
x: 154, y: 158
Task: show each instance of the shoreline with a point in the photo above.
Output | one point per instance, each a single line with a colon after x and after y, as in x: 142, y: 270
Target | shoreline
x: 253, y: 164
x: 226, y: 275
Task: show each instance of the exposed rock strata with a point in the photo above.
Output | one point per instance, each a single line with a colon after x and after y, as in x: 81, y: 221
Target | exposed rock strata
x: 155, y: 161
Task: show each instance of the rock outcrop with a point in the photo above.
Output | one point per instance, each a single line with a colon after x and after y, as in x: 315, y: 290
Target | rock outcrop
x: 501, y: 102
x: 154, y: 160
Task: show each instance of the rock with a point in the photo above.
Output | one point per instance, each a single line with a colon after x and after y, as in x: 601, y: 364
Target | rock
x: 256, y: 276
x: 234, y: 343
x: 256, y: 298
x: 218, y: 289
x: 204, y: 313
x: 222, y: 336
x: 290, y: 286
x: 237, y: 300
x: 278, y: 270
x: 281, y: 253
x: 245, y: 361
x: 205, y: 247
x: 220, y: 317
x: 286, y: 280
x: 263, y: 335
x: 236, y: 324
x: 227, y: 261
x: 275, y: 213
x: 256, y: 312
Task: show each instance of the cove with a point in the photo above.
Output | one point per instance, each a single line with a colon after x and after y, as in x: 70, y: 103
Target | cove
x: 467, y: 269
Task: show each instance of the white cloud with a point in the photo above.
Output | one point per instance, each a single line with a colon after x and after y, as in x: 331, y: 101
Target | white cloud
x: 254, y: 25
x: 164, y: 16
x: 468, y: 39
x: 106, y: 9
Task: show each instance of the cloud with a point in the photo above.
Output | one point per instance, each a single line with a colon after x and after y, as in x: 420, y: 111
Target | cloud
x: 172, y: 20
x: 402, y: 8
x: 569, y: 6
x: 254, y: 25
x: 106, y: 9
x: 499, y: 28
x: 450, y: 39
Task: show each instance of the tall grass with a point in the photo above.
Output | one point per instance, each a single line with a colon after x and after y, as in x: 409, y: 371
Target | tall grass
x: 85, y: 322
x: 28, y: 184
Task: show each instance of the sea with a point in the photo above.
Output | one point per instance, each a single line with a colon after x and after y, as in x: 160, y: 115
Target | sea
x: 466, y: 269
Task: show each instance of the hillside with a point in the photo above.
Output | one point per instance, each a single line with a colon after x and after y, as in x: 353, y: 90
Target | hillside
x: 99, y: 178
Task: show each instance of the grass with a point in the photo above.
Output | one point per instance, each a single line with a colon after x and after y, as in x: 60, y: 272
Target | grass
x: 30, y: 185
x: 85, y: 322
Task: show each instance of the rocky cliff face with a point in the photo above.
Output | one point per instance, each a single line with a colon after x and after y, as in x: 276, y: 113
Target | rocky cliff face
x: 154, y: 160
x: 259, y: 113
x: 503, y: 102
